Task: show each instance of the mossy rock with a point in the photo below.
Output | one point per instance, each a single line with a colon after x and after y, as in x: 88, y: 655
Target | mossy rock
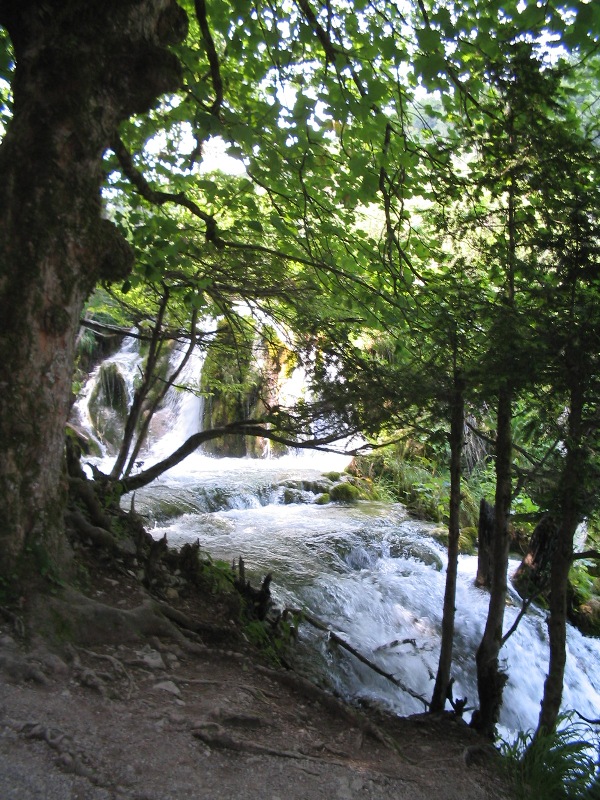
x: 467, y: 541
x: 419, y: 551
x: 323, y: 499
x: 111, y: 390
x: 108, y: 406
x: 291, y: 495
x: 587, y: 617
x: 344, y: 493
x: 332, y: 476
x: 441, y: 534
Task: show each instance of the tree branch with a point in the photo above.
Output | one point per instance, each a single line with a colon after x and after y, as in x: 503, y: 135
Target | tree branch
x: 159, y: 198
x: 524, y: 607
x: 246, y: 428
x: 316, y: 623
x: 595, y: 554
x: 213, y: 58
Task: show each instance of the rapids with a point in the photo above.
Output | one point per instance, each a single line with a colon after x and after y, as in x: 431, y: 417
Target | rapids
x: 369, y: 571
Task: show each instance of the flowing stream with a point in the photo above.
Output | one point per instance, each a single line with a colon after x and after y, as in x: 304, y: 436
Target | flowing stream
x: 369, y: 571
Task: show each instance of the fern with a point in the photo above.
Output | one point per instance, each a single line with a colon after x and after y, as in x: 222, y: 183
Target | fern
x: 556, y: 766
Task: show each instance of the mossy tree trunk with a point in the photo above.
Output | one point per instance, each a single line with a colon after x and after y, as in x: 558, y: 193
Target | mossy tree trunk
x: 485, y: 543
x: 82, y: 67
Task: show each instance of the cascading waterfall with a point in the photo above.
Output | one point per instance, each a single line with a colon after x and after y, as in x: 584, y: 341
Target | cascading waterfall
x: 181, y: 416
x: 127, y: 361
x: 369, y: 571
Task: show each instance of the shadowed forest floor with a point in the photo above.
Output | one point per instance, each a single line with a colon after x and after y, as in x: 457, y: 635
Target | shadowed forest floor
x: 132, y: 710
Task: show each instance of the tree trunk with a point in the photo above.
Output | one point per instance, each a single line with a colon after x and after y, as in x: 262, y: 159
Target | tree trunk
x: 457, y: 427
x: 490, y: 680
x: 532, y: 576
x: 485, y: 544
x: 570, y: 493
x: 82, y: 67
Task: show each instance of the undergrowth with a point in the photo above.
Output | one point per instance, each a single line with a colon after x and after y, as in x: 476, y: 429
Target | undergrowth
x: 561, y: 765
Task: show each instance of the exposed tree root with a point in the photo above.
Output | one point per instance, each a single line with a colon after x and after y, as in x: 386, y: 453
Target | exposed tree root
x: 215, y: 736
x: 76, y: 618
x: 100, y: 537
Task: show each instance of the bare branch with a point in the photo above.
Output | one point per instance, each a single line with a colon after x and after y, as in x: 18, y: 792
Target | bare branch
x: 594, y: 554
x: 211, y: 53
x: 159, y: 198
x: 246, y: 428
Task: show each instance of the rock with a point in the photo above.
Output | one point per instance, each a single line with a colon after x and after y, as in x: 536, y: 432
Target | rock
x: 168, y: 686
x: 344, y: 493
x: 587, y: 617
x: 126, y: 547
x: 152, y: 660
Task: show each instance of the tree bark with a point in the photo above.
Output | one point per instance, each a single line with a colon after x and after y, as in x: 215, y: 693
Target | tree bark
x: 457, y: 427
x: 485, y: 544
x: 82, y: 67
x: 570, y: 492
x: 490, y: 680
x: 532, y: 576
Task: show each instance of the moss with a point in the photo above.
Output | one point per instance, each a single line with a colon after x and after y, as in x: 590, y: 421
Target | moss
x: 467, y: 542
x: 332, y: 476
x: 231, y: 387
x: 344, y: 493
x: 323, y: 499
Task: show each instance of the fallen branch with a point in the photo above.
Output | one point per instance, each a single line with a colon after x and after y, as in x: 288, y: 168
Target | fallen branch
x: 316, y: 623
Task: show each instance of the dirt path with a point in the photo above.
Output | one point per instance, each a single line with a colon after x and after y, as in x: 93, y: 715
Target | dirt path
x: 150, y: 722
x: 127, y: 705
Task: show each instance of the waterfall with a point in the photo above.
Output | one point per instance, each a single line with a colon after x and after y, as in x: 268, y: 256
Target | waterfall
x: 372, y: 574
x: 127, y: 361
x: 181, y: 415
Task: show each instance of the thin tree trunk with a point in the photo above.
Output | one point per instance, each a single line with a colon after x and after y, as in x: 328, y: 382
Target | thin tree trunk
x: 490, y: 680
x: 160, y: 396
x: 485, y: 544
x: 141, y: 393
x: 562, y: 557
x: 80, y: 70
x: 457, y: 427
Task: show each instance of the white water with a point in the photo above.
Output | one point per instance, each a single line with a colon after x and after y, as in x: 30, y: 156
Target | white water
x: 372, y: 574
x: 128, y: 361
x: 369, y: 571
x: 181, y: 416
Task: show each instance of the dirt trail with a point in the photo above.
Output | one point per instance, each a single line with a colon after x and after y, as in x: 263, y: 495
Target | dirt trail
x: 119, y: 711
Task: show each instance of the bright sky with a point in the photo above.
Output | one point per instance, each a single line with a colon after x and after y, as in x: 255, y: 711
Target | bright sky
x: 215, y: 158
